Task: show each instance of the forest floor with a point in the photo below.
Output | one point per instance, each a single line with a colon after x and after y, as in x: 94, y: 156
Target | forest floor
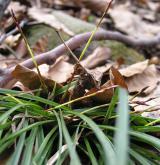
x: 79, y: 79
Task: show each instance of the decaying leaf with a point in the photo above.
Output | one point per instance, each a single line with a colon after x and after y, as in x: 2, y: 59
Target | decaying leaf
x: 20, y: 87
x: 105, y: 92
x: 99, y: 56
x: 96, y: 74
x: 134, y: 69
x: 44, y: 68
x: 30, y: 79
x: 61, y: 71
x: 147, y: 78
x: 149, y: 105
x: 117, y: 78
x: 132, y: 23
x: 46, y: 16
x: 85, y: 81
x: 3, y: 61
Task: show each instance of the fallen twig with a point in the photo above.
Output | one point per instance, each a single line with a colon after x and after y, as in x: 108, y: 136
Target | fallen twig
x: 75, y: 42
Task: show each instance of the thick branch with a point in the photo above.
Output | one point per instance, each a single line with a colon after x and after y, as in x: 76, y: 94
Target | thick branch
x: 77, y: 41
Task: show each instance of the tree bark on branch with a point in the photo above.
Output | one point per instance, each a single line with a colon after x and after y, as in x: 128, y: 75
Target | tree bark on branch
x: 75, y: 42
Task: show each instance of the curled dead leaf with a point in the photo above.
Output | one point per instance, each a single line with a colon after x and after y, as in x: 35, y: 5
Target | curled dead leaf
x: 134, y: 69
x: 117, y: 78
x: 148, y: 78
x: 20, y: 87
x: 31, y: 80
x: 61, y: 71
x: 99, y: 56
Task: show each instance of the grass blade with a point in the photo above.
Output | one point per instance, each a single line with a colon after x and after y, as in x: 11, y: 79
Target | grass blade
x: 31, y: 97
x: 46, y: 150
x: 94, y: 31
x: 121, y: 139
x: 139, y: 157
x: 39, y: 138
x: 15, y: 158
x: 44, y: 144
x: 71, y: 147
x: 18, y: 133
x: 7, y: 113
x: 6, y: 146
x: 111, y: 106
x: 28, y: 152
x: 90, y: 152
x: 146, y: 138
x: 60, y: 137
x: 109, y: 152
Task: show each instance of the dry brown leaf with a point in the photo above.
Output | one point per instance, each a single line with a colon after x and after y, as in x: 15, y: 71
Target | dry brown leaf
x: 86, y: 81
x: 44, y: 68
x: 46, y: 16
x: 30, y: 79
x: 148, y: 78
x: 103, y: 94
x: 117, y: 78
x: 141, y: 75
x: 131, y: 23
x: 134, y: 69
x: 141, y: 3
x: 151, y: 102
x: 20, y: 87
x: 99, y: 56
x: 155, y: 114
x: 152, y: 106
x: 61, y: 71
x: 96, y: 74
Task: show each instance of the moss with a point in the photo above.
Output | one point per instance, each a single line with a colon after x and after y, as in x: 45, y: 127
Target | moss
x: 128, y: 54
x: 36, y: 32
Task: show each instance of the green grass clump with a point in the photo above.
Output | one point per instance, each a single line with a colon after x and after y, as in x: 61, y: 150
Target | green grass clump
x: 106, y: 134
